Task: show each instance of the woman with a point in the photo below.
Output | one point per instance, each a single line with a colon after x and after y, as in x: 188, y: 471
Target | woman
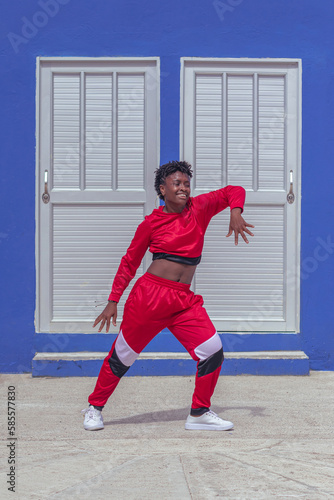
x: 161, y: 298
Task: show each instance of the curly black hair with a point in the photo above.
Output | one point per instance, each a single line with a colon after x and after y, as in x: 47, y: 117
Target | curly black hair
x: 167, y: 169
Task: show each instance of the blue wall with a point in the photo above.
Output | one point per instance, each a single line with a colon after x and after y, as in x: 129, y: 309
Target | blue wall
x: 229, y: 28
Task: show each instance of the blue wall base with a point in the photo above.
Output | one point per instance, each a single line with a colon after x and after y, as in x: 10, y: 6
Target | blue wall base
x: 172, y: 364
x: 166, y: 342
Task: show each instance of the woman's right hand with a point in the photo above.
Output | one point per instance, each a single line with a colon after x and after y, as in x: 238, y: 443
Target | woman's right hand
x: 110, y: 311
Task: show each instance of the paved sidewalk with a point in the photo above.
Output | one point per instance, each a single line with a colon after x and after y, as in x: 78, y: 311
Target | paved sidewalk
x: 281, y: 447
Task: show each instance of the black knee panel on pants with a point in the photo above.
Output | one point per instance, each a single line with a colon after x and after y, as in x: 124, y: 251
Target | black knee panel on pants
x: 211, y: 363
x: 116, y: 365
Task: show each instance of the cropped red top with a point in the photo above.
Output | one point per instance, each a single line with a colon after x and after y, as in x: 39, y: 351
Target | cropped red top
x: 174, y: 233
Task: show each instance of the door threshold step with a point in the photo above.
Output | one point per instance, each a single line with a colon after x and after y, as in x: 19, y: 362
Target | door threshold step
x: 88, y: 364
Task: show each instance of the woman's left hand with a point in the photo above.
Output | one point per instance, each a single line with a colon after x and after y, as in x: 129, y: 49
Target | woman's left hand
x: 239, y: 226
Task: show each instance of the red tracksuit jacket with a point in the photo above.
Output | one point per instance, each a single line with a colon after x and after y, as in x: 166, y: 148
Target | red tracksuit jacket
x: 174, y: 233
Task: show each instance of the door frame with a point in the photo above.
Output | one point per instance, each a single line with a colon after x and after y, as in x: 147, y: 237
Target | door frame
x: 39, y: 184
x: 292, y: 278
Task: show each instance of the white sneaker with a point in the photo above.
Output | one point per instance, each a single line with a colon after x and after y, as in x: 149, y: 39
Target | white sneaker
x: 209, y: 421
x: 93, y: 419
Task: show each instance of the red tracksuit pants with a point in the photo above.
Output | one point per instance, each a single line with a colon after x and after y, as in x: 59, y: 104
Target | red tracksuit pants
x: 153, y: 304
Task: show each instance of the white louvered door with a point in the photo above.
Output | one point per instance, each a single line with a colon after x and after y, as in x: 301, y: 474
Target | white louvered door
x: 98, y: 139
x: 240, y: 124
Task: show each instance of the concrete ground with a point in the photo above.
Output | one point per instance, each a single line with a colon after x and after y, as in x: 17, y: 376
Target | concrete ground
x: 281, y: 447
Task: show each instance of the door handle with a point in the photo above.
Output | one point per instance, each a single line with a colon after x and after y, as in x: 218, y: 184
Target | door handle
x: 45, y: 195
x: 290, y: 196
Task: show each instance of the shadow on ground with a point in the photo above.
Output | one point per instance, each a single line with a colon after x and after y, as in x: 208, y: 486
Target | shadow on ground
x: 181, y: 414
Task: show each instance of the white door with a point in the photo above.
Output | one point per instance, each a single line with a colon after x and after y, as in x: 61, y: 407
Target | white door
x: 97, y: 148
x: 240, y: 125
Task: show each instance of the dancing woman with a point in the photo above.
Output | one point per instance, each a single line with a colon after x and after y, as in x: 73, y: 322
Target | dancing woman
x: 174, y: 234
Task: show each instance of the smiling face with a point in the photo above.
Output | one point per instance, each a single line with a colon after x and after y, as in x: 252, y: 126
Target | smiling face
x: 176, y: 192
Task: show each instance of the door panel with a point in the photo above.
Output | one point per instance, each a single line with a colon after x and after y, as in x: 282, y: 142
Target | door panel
x: 240, y: 125
x: 95, y: 118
